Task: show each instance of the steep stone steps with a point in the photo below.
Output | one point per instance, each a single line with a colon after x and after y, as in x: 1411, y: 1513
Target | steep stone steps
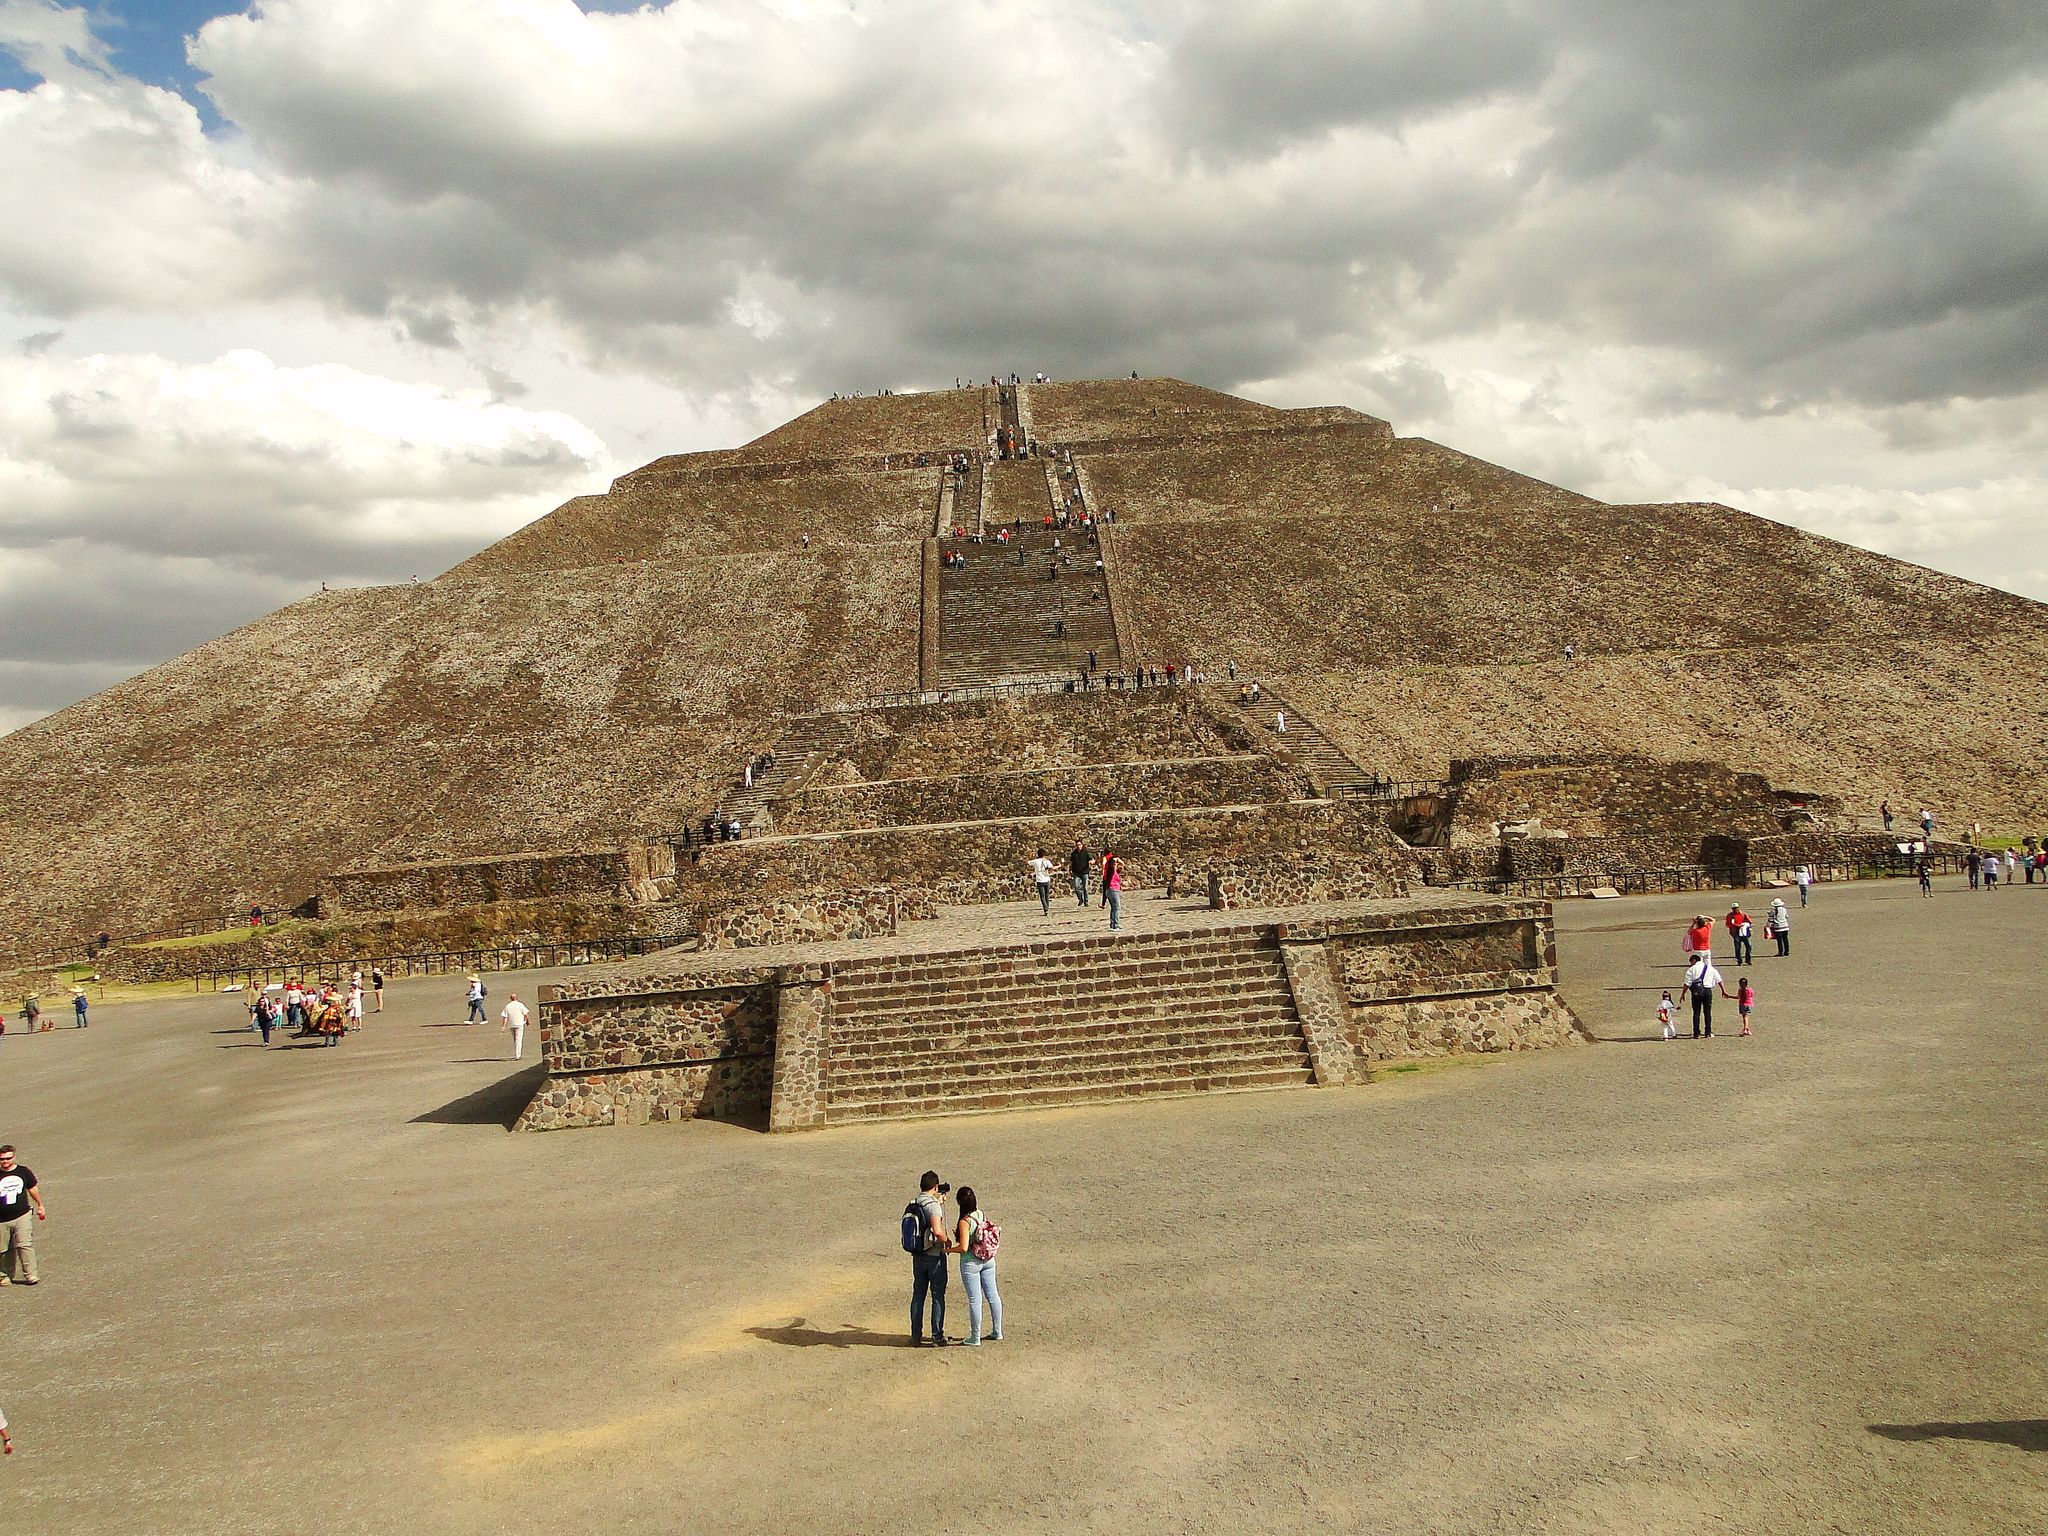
x: 1000, y: 617
x: 796, y: 754
x: 1327, y: 764
x: 1065, y: 1021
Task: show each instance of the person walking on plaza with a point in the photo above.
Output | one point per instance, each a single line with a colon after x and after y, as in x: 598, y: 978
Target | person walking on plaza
x: 1041, y: 876
x: 1745, y: 1003
x: 6, y: 1440
x: 1974, y: 863
x: 924, y: 1226
x: 20, y: 1198
x: 1805, y: 879
x: 1665, y: 1008
x: 1991, y: 871
x: 355, y: 1005
x: 1926, y: 878
x: 1077, y: 868
x: 975, y: 1238
x: 78, y: 1006
x: 1778, y: 924
x: 514, y: 1016
x: 476, y: 995
x: 1702, y: 981
x: 1740, y: 932
x: 31, y: 1014
x: 1113, y: 889
x: 377, y: 988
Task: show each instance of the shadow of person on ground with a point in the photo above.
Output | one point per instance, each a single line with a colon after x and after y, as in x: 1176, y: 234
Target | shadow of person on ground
x: 496, y: 1103
x: 846, y: 1336
x: 2026, y: 1434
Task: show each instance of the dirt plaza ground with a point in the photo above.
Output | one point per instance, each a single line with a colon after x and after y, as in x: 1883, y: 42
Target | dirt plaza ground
x: 1781, y: 1284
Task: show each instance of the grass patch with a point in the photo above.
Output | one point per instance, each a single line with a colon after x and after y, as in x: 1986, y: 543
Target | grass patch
x: 241, y: 934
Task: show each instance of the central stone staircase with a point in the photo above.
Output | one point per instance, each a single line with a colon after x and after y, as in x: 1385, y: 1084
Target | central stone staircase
x: 807, y: 738
x: 1327, y: 764
x: 1061, y: 1022
x: 1000, y: 621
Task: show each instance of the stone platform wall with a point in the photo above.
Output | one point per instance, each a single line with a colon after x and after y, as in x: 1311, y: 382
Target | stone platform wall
x: 676, y: 1053
x: 1239, y: 779
x: 1456, y: 981
x: 986, y: 861
x: 688, y: 1037
x: 1295, y: 881
x: 627, y: 874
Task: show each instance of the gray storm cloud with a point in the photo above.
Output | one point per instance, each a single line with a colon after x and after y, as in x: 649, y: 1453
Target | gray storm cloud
x: 1793, y: 251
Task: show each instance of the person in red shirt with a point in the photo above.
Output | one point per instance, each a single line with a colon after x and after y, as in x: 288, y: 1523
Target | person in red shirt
x: 1740, y: 930
x: 1699, y: 938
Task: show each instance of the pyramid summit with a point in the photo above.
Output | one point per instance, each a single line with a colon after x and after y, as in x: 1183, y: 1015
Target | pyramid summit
x: 586, y: 691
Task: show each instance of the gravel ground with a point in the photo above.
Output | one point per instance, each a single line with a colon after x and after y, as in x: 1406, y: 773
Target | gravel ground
x: 1785, y: 1283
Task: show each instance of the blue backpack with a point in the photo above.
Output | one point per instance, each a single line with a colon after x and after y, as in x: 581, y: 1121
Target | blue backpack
x: 913, y: 1228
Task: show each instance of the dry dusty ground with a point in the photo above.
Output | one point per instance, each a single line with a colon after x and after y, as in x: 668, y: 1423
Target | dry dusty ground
x: 1788, y: 1284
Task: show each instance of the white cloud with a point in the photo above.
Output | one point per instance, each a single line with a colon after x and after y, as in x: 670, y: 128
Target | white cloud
x: 1776, y: 250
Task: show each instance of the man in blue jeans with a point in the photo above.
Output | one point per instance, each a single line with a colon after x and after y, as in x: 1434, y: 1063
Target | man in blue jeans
x: 928, y: 1269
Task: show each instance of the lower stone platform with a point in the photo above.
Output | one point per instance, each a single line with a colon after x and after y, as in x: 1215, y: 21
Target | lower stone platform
x: 1002, y: 1007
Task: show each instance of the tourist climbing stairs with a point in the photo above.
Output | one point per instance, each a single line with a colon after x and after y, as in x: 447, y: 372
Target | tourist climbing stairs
x: 1004, y: 615
x: 1062, y: 1022
x: 806, y: 741
x: 1327, y: 764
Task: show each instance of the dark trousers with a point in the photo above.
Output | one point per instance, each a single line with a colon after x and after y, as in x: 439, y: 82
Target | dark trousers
x: 1784, y: 938
x: 1745, y: 949
x: 928, y: 1278
x: 1702, y: 1011
x: 1045, y: 895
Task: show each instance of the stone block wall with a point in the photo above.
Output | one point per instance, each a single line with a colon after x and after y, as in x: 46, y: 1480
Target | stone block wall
x: 1432, y: 982
x: 809, y: 918
x: 1239, y: 779
x: 1295, y: 881
x: 705, y: 1047
x: 1609, y: 796
x: 986, y: 861
x: 628, y: 874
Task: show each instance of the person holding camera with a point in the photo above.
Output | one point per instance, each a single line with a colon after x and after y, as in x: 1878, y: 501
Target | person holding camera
x: 926, y: 1217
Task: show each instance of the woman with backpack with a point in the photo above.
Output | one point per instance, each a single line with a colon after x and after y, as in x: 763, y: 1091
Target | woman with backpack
x: 975, y: 1239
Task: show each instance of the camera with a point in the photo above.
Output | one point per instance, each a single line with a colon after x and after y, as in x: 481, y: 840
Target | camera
x: 945, y: 1189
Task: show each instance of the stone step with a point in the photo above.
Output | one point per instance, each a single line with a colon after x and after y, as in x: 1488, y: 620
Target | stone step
x: 1094, y: 1002
x: 1117, y: 947
x: 996, y: 1100
x: 1197, y: 1039
x: 877, y: 1031
x: 1104, y: 1066
x: 1109, y: 959
x: 1079, y: 975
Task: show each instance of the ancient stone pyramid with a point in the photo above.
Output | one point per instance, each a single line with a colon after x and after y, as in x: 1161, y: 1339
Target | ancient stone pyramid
x: 600, y: 675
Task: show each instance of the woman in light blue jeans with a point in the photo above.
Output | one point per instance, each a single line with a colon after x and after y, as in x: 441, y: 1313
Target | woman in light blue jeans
x: 977, y: 1275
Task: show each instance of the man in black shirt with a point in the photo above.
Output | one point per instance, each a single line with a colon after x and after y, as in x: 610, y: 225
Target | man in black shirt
x: 1077, y: 866
x: 18, y: 1196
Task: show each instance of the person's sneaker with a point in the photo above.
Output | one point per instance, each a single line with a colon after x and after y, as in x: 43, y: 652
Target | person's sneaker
x: 970, y: 1343
x: 995, y: 1338
x: 917, y: 1344
x: 28, y: 1282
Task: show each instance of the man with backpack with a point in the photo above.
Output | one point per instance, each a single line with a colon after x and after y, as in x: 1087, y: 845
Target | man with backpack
x: 924, y: 1239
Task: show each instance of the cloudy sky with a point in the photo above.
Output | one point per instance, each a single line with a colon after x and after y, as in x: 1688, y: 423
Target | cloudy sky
x: 342, y: 289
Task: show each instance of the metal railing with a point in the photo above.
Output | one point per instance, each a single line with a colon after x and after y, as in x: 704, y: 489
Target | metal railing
x: 1703, y: 877
x: 436, y: 962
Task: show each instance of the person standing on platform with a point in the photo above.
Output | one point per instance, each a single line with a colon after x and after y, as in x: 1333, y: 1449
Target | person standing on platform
x: 1041, y: 876
x: 1077, y: 869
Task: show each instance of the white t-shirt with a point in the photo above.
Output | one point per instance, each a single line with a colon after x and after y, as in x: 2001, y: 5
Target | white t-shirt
x: 1702, y: 973
x: 514, y: 1014
x: 1041, y: 870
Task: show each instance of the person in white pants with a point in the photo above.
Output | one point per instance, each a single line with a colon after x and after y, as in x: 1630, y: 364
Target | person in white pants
x: 514, y: 1015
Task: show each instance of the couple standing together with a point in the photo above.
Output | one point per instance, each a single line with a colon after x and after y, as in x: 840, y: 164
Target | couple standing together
x: 928, y: 1239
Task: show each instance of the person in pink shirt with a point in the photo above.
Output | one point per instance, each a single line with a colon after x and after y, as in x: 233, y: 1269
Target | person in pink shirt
x: 1745, y: 1001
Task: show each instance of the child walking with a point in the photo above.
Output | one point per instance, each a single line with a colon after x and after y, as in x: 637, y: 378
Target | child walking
x: 1664, y: 1012
x: 1745, y: 1000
